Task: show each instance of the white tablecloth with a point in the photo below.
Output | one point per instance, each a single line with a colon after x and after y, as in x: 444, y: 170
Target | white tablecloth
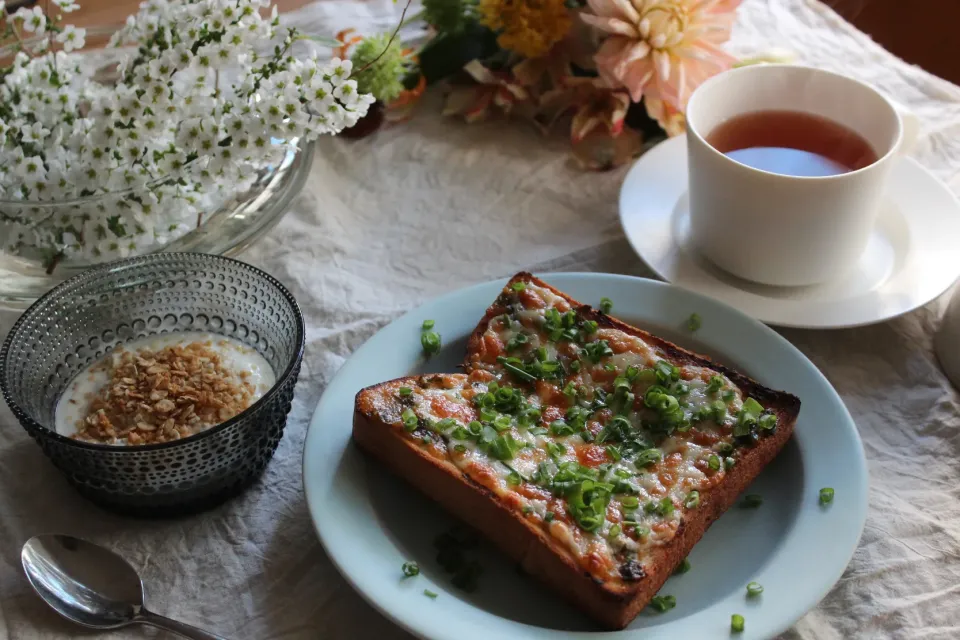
x: 434, y: 205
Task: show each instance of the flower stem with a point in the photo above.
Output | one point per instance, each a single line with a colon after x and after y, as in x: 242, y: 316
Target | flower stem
x: 393, y: 36
x: 417, y: 16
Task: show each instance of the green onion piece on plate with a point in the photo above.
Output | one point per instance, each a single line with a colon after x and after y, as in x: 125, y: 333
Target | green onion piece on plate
x: 694, y: 322
x: 663, y: 603
x: 754, y: 589
x: 826, y: 495
x: 737, y: 623
x: 752, y: 501
x: 430, y: 341
x: 606, y: 305
x: 430, y: 594
x: 411, y: 569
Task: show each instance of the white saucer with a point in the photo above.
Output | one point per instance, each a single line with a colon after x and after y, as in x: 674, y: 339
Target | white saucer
x: 913, y: 255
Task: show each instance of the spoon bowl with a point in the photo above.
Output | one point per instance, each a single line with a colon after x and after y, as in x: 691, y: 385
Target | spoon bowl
x: 83, y: 582
x: 92, y: 586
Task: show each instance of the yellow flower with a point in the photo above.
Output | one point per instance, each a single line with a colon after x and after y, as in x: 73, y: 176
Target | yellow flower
x: 529, y: 27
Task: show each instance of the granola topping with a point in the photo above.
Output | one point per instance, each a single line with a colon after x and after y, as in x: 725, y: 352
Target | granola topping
x: 163, y: 388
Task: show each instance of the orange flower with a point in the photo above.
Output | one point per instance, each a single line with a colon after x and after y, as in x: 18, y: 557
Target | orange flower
x: 498, y: 89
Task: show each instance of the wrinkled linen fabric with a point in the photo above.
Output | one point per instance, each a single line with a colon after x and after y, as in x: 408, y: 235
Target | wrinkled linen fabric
x: 419, y: 209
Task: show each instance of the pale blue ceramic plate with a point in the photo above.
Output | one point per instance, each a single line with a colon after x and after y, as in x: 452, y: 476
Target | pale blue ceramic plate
x: 370, y: 522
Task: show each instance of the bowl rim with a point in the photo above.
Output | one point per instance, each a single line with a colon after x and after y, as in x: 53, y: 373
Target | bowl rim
x: 127, y: 264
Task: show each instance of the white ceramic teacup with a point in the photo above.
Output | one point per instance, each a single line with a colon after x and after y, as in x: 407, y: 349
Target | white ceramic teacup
x: 780, y: 229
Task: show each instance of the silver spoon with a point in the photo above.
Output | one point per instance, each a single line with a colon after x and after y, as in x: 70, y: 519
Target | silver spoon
x: 93, y: 586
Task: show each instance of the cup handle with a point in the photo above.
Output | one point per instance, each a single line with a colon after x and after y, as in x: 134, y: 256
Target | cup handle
x: 911, y: 128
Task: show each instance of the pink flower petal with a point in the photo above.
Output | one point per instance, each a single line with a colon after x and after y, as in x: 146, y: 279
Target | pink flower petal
x: 661, y: 60
x: 627, y: 11
x: 610, y: 25
x: 604, y: 8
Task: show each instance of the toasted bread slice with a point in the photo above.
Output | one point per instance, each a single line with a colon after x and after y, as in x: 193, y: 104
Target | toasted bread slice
x: 592, y: 453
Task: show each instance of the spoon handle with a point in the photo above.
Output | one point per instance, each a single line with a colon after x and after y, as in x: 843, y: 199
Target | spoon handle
x: 179, y: 628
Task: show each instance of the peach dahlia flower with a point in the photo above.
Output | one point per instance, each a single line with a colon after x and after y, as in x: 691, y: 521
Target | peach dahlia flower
x: 662, y: 48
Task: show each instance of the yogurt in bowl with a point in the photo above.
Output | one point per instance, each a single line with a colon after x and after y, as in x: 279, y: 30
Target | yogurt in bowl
x: 162, y: 388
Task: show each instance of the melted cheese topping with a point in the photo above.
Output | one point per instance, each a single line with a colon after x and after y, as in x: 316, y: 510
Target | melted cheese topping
x: 578, y: 420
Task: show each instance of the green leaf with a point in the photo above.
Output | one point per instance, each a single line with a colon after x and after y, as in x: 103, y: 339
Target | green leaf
x: 447, y: 53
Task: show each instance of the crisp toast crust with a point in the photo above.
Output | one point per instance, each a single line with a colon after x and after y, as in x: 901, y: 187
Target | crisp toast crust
x: 612, y: 603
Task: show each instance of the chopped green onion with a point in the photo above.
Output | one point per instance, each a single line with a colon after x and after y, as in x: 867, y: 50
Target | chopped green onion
x: 752, y: 407
x: 430, y: 341
x: 694, y: 322
x: 517, y: 371
x: 728, y: 395
x: 768, y: 421
x: 513, y: 478
x: 410, y: 420
x: 664, y: 507
x: 548, y: 517
x: 724, y: 448
x: 642, y: 532
x: 518, y: 286
x: 539, y: 431
x: 570, y: 390
x: 517, y: 340
x: 630, y: 502
x: 427, y: 325
x: 714, y: 463
x: 609, y: 367
x: 683, y: 568
x: 663, y: 603
x: 430, y: 594
x: 752, y: 501
x: 826, y: 495
x: 719, y: 410
x: 556, y: 449
x: 716, y: 383
x: 561, y: 428
x: 606, y: 305
x: 527, y: 509
x: 459, y: 448
x: 502, y: 422
x: 736, y: 623
x: 597, y: 350
x: 615, y: 531
x: 648, y: 456
x: 754, y: 589
x: 613, y: 452
x: 590, y: 326
x: 693, y: 500
x: 729, y: 463
x: 575, y: 366
x: 405, y: 391
x: 411, y: 569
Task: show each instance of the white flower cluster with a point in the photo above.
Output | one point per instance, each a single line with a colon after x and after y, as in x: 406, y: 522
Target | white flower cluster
x: 97, y: 170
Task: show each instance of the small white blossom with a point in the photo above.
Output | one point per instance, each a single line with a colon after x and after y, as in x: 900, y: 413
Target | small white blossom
x: 67, y: 6
x: 34, y: 133
x: 182, y: 130
x: 34, y: 20
x: 72, y: 38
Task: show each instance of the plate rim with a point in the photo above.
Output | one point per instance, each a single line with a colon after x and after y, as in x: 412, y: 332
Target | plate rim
x: 779, y: 320
x: 860, y: 506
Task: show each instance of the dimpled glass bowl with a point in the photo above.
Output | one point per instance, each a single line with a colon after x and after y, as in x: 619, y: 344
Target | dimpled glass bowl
x: 87, y: 316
